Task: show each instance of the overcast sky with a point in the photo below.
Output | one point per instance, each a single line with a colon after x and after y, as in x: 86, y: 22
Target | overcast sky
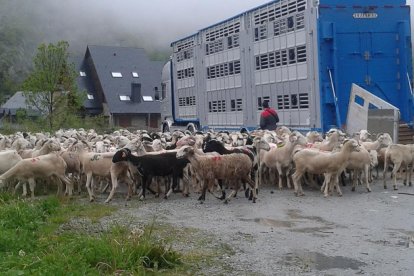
x: 154, y: 23
x: 167, y: 20
x: 172, y: 19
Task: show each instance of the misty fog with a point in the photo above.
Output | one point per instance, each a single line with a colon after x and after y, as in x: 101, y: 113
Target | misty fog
x: 152, y: 24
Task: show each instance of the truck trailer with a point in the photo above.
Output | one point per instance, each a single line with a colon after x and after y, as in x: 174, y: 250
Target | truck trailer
x: 302, y: 56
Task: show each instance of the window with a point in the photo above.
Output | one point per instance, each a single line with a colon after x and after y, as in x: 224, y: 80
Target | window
x: 135, y: 75
x: 292, y: 56
x: 236, y: 40
x: 236, y: 105
x: 258, y: 63
x: 284, y: 57
x: 147, y: 98
x: 260, y: 101
x: 264, y: 61
x: 280, y: 102
x: 278, y: 59
x: 223, y: 30
x: 300, y: 21
x: 217, y: 106
x: 303, y: 100
x: 124, y: 98
x: 185, y: 73
x: 286, y: 101
x: 82, y: 73
x: 256, y: 34
x: 290, y: 24
x: 237, y: 67
x: 116, y: 74
x: 301, y: 53
x: 294, y: 100
x: 214, y: 47
x: 272, y: 60
x: 222, y: 70
x: 90, y: 97
x: 187, y: 101
x: 276, y: 10
x: 229, y: 42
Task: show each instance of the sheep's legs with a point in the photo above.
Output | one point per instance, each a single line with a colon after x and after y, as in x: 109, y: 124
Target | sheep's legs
x: 280, y: 174
x: 366, y: 178
x: 88, y: 187
x: 397, y: 166
x: 384, y: 174
x: 232, y: 193
x: 336, y: 184
x: 202, y: 197
x: 297, y: 185
x: 408, y: 170
x: 32, y: 185
x: 353, y: 177
x: 114, y: 182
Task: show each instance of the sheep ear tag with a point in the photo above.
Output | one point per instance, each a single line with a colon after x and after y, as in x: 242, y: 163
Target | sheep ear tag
x: 123, y: 154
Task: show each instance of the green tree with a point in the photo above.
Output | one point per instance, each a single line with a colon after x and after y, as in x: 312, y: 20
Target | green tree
x: 51, y: 86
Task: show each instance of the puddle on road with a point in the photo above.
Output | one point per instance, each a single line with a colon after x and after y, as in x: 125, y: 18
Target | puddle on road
x: 322, y: 229
x: 272, y: 222
x: 296, y: 214
x: 295, y: 219
x: 318, y: 261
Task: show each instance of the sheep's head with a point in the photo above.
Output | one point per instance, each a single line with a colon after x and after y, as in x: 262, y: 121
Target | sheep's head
x: 53, y: 145
x: 213, y: 145
x: 261, y: 143
x: 186, y: 140
x: 121, y: 155
x: 364, y: 135
x: 351, y: 145
x: 185, y: 152
x: 314, y: 136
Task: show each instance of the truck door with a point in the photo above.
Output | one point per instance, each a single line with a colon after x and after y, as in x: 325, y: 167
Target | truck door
x: 369, y: 60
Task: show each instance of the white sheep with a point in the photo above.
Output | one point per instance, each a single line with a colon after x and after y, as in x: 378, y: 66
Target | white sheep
x: 100, y: 164
x: 43, y: 166
x: 316, y: 162
x: 360, y: 161
x: 280, y: 158
x: 333, y: 140
x: 399, y: 155
x: 382, y: 140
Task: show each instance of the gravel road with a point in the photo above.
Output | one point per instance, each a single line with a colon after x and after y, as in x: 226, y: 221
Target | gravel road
x: 359, y: 233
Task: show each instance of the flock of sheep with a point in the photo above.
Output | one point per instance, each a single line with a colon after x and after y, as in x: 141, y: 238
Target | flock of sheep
x: 163, y: 163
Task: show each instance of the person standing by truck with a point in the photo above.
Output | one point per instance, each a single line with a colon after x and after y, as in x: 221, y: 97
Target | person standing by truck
x: 268, y: 117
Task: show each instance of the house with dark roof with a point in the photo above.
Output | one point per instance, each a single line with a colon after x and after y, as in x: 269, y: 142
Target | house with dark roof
x: 9, y: 110
x: 122, y: 84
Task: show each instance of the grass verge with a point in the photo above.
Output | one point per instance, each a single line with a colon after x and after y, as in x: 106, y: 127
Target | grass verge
x: 30, y: 243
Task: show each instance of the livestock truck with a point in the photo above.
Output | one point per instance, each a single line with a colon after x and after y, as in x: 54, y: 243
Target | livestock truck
x: 301, y: 55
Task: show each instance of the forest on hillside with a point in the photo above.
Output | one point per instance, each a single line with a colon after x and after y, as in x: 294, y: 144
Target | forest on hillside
x: 24, y: 25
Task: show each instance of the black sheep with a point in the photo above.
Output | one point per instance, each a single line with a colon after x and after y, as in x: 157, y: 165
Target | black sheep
x: 150, y: 165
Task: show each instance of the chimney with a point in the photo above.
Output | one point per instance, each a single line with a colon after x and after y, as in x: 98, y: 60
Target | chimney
x: 136, y: 92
